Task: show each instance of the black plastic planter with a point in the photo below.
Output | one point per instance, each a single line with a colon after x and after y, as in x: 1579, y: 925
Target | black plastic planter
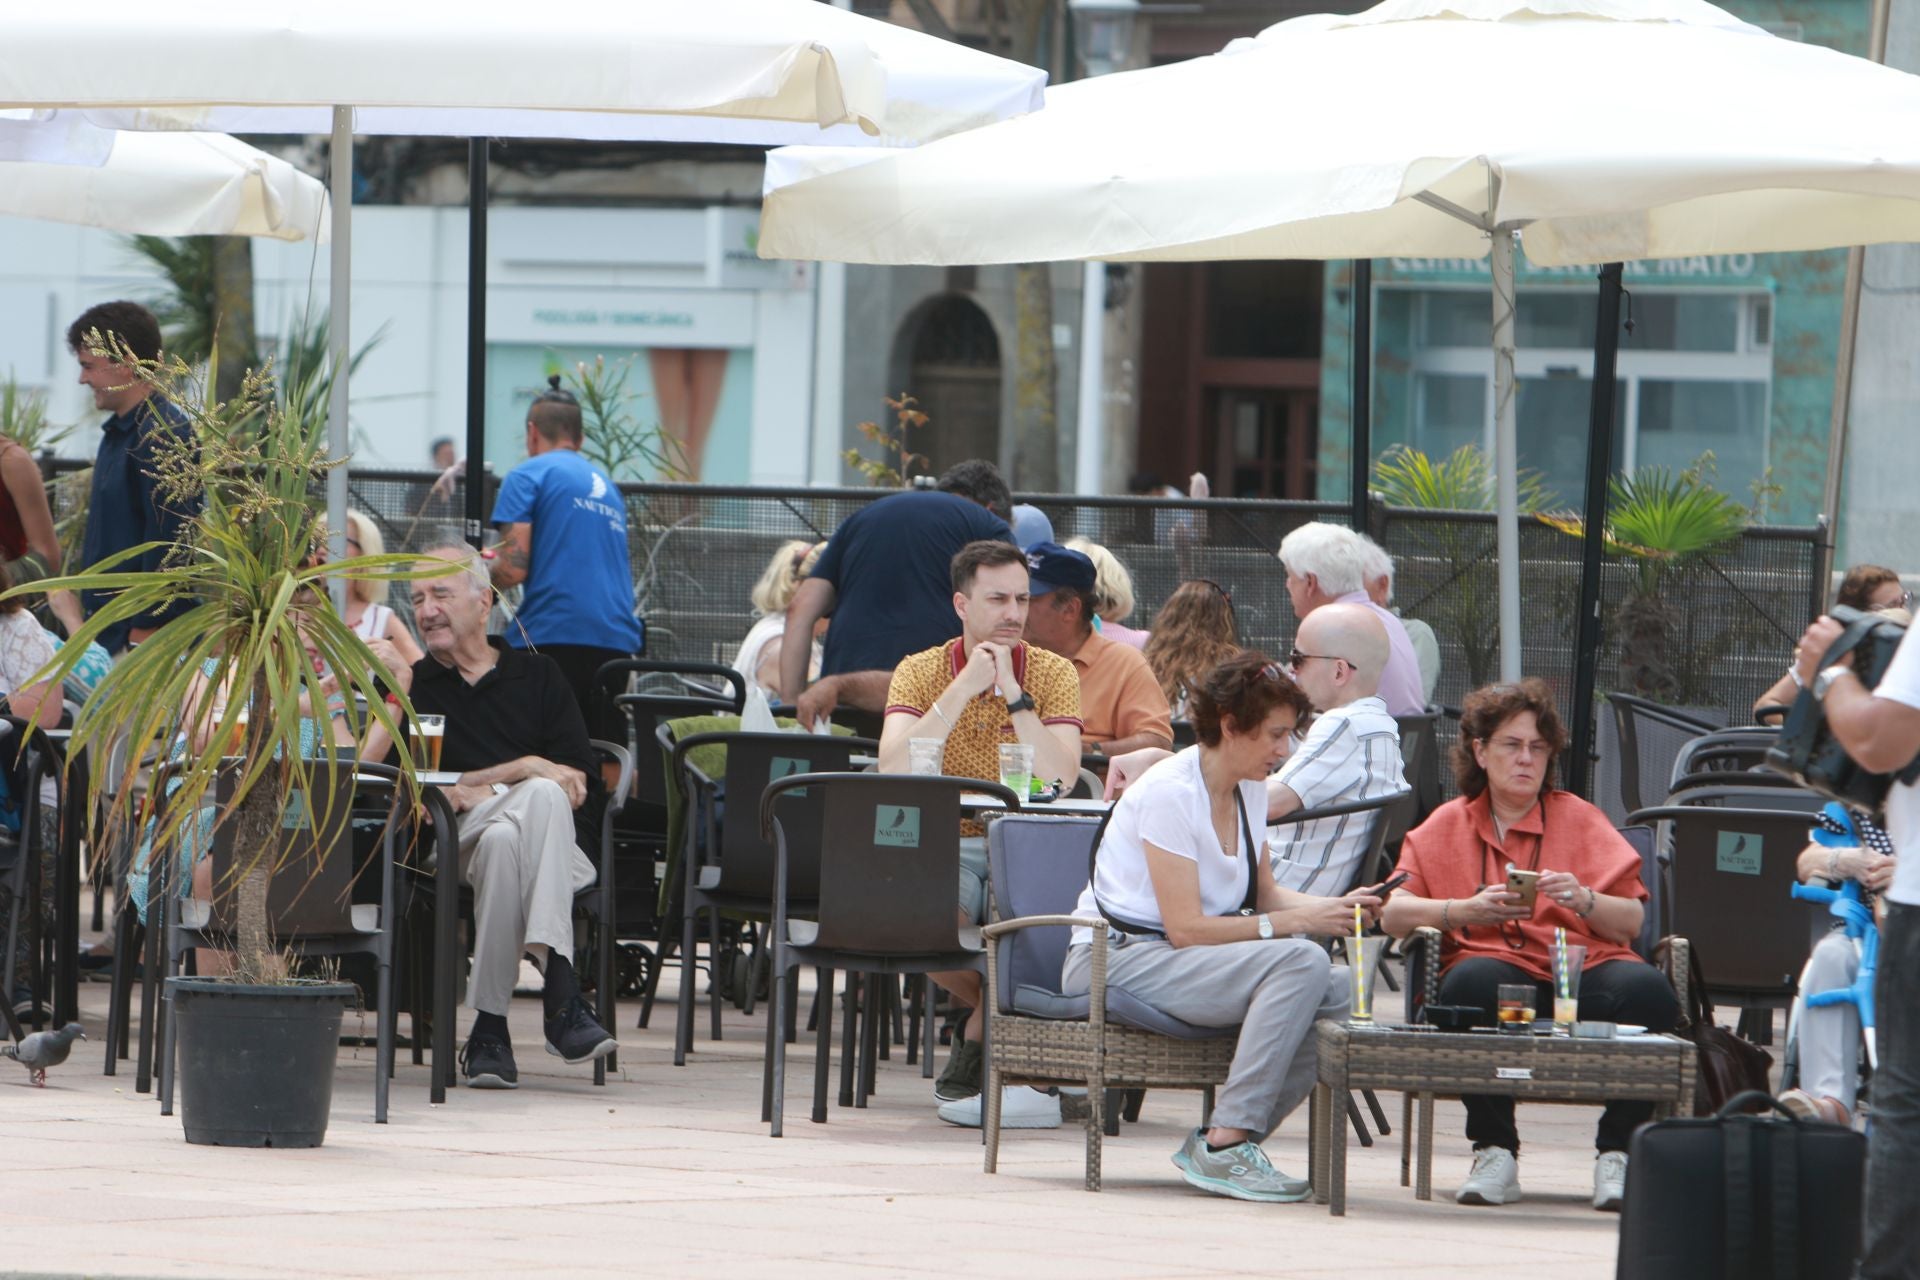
x: 256, y: 1063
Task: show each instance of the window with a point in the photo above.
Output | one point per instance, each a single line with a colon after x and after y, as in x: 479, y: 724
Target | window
x: 1695, y: 376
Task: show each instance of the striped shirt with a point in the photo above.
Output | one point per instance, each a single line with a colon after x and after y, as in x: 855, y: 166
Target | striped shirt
x: 1352, y: 753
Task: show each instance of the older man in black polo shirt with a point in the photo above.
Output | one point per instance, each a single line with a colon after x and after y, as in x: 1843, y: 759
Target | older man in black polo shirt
x: 529, y: 797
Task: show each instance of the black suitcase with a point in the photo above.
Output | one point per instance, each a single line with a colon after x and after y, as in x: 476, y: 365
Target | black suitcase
x: 1745, y: 1197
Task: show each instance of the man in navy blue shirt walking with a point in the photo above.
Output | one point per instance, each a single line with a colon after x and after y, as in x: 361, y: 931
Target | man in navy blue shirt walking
x: 125, y: 508
x: 563, y: 534
x: 886, y: 578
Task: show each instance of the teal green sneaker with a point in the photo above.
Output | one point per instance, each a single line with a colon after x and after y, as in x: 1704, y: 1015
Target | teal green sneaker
x: 1241, y: 1171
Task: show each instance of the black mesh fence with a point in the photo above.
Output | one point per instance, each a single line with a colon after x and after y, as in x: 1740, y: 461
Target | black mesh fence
x: 1711, y: 634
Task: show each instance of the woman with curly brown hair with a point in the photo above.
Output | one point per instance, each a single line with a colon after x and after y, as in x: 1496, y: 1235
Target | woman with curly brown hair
x: 1194, y: 632
x: 1200, y: 929
x: 1509, y: 815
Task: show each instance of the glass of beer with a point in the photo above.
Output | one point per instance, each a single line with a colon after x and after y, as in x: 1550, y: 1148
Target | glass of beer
x: 237, y: 740
x: 1516, y: 1007
x: 425, y: 734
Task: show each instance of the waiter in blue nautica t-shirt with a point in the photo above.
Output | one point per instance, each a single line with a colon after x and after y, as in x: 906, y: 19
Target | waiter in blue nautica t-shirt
x: 563, y: 533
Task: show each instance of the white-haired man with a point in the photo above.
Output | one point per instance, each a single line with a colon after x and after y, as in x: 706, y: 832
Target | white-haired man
x: 529, y: 797
x: 1426, y: 647
x: 1327, y: 564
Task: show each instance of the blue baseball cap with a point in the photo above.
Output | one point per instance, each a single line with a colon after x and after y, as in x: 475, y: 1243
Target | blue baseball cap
x: 1050, y: 565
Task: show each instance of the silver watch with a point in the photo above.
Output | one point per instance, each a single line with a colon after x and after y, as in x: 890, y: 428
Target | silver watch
x: 1824, y: 681
x: 1266, y: 925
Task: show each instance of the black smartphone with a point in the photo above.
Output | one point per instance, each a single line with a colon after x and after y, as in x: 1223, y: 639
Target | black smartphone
x: 1390, y: 885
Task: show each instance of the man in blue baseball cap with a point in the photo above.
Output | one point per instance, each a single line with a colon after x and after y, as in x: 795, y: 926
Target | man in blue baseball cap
x: 1121, y: 704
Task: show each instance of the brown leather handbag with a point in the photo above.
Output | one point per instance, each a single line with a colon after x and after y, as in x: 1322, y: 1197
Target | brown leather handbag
x: 1727, y: 1065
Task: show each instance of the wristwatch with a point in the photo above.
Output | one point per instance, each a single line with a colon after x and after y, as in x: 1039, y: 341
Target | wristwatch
x: 1022, y: 703
x: 1824, y: 681
x: 1266, y: 925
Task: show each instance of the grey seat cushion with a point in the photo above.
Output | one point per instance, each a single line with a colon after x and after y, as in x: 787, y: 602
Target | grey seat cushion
x: 1038, y: 1002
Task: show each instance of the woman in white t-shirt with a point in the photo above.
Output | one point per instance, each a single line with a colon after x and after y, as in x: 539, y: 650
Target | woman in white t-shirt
x: 25, y: 647
x: 759, y: 656
x: 1203, y: 933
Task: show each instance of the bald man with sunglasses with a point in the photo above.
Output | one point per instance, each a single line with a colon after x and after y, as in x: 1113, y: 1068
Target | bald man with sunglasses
x: 1351, y: 752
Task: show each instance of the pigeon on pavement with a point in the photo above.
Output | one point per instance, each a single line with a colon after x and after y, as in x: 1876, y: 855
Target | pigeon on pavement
x: 43, y: 1049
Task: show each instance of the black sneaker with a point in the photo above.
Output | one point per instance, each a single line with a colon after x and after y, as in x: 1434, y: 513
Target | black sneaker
x: 487, y: 1062
x: 572, y: 1034
x: 961, y: 1079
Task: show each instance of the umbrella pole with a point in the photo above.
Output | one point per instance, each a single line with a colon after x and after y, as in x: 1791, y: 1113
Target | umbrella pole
x: 1090, y: 449
x: 1361, y: 444
x: 1506, y: 454
x: 339, y: 318
x: 1586, y: 645
x: 476, y: 338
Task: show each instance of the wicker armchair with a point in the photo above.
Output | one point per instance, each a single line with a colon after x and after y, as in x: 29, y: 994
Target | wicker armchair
x: 1669, y: 954
x: 1036, y: 1034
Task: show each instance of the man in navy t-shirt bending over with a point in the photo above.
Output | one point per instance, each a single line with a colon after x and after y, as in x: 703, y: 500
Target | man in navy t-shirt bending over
x: 563, y: 533
x: 886, y: 579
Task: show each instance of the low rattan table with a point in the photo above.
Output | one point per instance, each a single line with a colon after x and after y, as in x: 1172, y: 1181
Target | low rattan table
x: 1426, y: 1064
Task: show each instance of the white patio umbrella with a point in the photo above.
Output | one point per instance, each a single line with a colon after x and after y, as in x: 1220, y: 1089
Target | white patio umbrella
x: 1601, y: 129
x: 745, y: 71
x: 740, y: 71
x: 163, y: 184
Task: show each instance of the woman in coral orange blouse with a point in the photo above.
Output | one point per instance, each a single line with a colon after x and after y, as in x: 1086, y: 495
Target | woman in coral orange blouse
x: 1509, y: 814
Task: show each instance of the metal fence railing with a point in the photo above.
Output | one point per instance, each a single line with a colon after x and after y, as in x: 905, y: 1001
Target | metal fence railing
x: 1712, y: 633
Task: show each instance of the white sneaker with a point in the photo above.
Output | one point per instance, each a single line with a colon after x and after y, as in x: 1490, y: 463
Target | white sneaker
x: 1495, y: 1178
x: 1020, y: 1108
x: 1609, y: 1181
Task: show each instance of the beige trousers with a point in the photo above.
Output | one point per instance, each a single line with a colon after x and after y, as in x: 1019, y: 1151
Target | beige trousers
x: 517, y: 850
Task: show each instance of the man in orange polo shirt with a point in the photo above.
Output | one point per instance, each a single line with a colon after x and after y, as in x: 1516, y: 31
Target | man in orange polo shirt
x: 1121, y: 703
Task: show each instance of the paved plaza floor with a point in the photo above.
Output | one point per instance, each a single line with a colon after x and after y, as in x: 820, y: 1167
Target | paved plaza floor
x: 667, y: 1171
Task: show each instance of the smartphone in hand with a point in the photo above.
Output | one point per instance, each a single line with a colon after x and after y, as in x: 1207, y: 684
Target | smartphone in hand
x: 1523, y: 885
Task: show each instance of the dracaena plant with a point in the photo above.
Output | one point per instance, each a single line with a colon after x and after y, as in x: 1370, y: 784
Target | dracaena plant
x: 248, y: 599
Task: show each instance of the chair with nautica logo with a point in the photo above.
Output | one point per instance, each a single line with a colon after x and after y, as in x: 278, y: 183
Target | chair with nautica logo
x: 889, y: 902
x: 728, y: 867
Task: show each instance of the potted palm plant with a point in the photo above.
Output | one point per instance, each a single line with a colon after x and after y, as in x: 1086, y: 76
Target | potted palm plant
x: 250, y: 619
x: 1664, y: 526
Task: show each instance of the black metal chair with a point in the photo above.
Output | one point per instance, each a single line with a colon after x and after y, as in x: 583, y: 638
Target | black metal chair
x: 1420, y: 765
x: 1728, y: 874
x: 890, y: 861
x: 668, y: 690
x: 732, y: 869
x: 20, y: 866
x: 1745, y: 790
x: 1651, y: 737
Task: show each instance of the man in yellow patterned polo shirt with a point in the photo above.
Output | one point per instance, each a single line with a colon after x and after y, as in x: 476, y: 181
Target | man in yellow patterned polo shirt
x: 974, y: 693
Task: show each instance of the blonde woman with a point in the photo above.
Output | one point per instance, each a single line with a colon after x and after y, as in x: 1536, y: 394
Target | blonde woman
x: 759, y: 656
x: 370, y: 619
x: 1112, y: 593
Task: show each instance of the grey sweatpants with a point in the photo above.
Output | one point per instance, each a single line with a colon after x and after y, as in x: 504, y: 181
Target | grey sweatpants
x: 517, y: 851
x: 1829, y: 1036
x: 1272, y: 989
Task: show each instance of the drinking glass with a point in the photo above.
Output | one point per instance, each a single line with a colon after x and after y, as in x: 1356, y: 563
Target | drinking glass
x: 1566, y: 986
x: 1363, y: 966
x: 1516, y: 1007
x: 1016, y: 768
x: 926, y: 755
x: 428, y: 733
